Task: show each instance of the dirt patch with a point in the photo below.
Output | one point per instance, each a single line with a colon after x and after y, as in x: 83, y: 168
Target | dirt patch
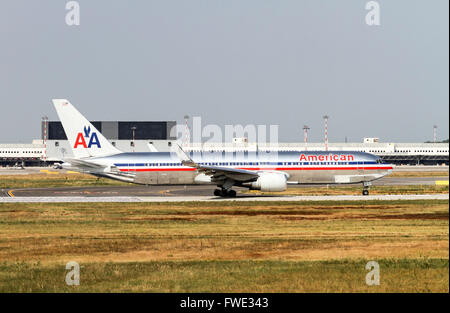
x: 155, y: 219
x: 256, y: 213
x: 406, y: 216
x: 423, y: 216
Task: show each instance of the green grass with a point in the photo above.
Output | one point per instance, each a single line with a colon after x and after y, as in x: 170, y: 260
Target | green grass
x: 55, y: 180
x: 230, y: 276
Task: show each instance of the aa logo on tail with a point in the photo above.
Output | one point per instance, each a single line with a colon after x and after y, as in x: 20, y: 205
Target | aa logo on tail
x: 93, y: 139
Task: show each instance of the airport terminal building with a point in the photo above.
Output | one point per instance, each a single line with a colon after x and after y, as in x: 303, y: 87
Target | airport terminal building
x: 152, y: 136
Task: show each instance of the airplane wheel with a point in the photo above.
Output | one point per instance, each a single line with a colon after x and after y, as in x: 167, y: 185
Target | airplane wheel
x: 218, y: 193
x: 232, y: 194
x: 365, y: 192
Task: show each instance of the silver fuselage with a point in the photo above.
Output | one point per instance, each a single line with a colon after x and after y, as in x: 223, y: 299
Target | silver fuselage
x: 302, y: 167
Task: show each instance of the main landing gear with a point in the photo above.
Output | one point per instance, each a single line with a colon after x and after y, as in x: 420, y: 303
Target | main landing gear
x: 225, y: 193
x: 225, y: 189
x: 366, y: 186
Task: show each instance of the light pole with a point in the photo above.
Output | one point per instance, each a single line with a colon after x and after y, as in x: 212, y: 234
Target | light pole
x: 134, y: 130
x: 305, y: 131
x: 434, y: 133
x: 44, y: 140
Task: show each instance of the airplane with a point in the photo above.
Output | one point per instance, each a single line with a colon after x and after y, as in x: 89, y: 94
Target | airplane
x: 268, y: 172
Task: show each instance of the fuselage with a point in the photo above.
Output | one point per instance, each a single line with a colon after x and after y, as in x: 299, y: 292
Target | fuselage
x: 301, y: 167
x: 268, y: 171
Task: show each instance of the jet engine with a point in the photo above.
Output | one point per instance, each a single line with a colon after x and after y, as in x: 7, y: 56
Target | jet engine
x: 270, y: 182
x: 202, y: 179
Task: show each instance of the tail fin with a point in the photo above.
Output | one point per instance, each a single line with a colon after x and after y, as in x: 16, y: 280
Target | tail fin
x: 84, y: 139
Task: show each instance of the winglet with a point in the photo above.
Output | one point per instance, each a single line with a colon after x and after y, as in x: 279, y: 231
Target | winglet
x: 185, y: 159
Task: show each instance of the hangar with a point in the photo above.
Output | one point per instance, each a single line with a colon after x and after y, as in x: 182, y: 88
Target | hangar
x: 53, y: 146
x: 127, y: 136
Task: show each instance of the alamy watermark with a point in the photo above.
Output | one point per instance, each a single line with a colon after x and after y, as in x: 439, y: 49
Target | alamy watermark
x: 73, y: 276
x: 373, y: 16
x: 210, y: 134
x: 73, y: 14
x: 373, y: 277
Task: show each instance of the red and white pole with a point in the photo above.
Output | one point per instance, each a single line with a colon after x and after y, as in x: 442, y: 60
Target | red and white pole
x: 326, y: 131
x: 186, y: 131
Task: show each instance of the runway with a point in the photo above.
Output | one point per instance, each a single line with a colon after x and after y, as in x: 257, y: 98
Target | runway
x: 246, y: 198
x: 140, y: 193
x: 175, y: 191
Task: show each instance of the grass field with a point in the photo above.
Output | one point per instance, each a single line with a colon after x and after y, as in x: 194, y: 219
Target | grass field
x: 419, y: 174
x: 225, y: 247
x: 45, y: 180
x: 412, y: 275
x: 321, y: 190
x: 80, y: 180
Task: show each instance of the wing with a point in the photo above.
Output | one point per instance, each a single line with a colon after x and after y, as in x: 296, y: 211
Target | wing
x: 217, y: 173
x: 222, y: 173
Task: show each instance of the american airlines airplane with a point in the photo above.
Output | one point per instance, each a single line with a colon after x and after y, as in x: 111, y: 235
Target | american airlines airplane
x: 271, y: 172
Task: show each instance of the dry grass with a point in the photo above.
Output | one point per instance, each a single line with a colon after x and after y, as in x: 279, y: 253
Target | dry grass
x: 291, y: 242
x: 321, y: 190
x: 142, y: 232
x: 419, y: 174
x: 44, y: 180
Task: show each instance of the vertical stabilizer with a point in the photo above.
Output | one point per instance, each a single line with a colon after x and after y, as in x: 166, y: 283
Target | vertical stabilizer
x: 84, y: 139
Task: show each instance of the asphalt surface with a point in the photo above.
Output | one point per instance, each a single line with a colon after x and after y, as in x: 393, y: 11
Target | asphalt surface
x: 113, y: 191
x: 189, y: 192
x: 247, y: 198
x: 175, y: 191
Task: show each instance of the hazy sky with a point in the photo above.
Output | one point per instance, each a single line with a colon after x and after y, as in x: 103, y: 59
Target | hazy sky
x: 230, y: 62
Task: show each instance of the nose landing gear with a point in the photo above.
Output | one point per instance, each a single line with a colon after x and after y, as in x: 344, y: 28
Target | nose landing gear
x: 225, y: 193
x: 366, y: 186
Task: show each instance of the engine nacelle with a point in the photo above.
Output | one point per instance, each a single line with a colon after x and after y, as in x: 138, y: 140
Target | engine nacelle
x: 202, y: 179
x: 270, y: 182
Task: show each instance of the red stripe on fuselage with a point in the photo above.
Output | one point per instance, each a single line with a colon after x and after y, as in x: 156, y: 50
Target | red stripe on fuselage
x: 372, y: 168
x: 157, y: 169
